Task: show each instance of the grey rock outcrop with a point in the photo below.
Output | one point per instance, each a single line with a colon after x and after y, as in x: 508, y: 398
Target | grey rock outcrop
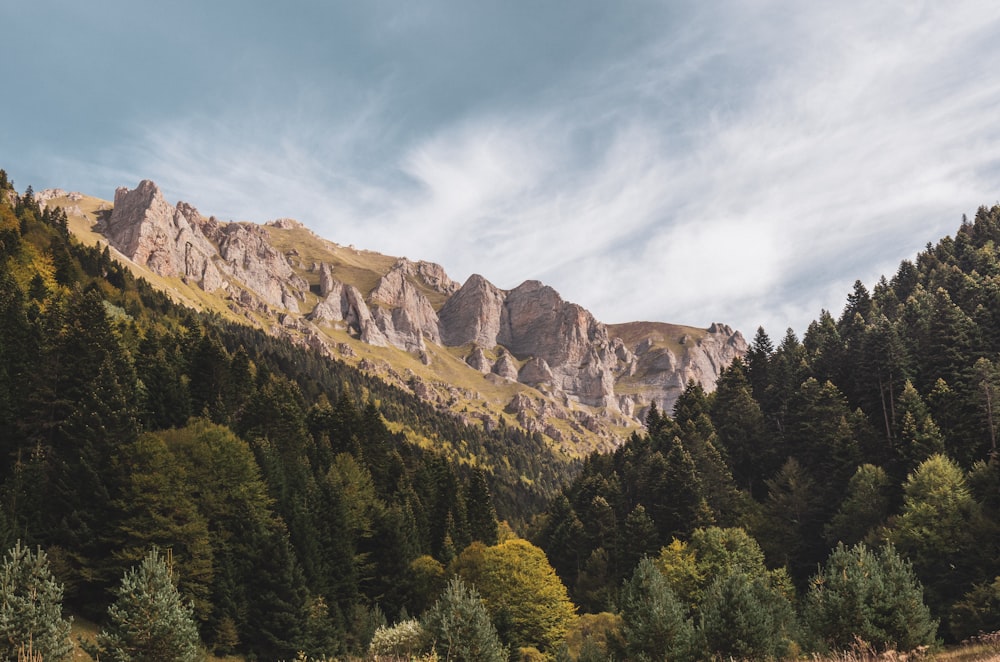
x: 169, y: 241
x: 473, y: 314
x: 345, y: 303
x: 180, y: 242
x: 506, y: 367
x: 478, y: 360
x: 661, y: 374
x: 402, y: 312
x: 585, y: 372
x: 250, y: 257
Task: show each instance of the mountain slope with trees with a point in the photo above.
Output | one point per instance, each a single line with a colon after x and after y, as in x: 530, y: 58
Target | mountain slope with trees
x: 291, y: 510
x: 878, y: 427
x: 841, y: 486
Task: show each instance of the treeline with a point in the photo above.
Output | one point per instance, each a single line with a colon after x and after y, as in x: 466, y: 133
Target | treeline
x: 878, y: 427
x: 291, y: 513
x: 843, y: 485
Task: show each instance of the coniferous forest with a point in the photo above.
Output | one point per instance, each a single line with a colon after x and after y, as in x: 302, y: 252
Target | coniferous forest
x: 837, y: 488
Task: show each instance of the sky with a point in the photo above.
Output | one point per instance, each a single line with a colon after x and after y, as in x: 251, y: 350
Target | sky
x: 690, y: 162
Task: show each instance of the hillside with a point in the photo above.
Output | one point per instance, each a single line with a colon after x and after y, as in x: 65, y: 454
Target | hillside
x: 873, y: 433
x: 522, y: 357
x: 835, y: 492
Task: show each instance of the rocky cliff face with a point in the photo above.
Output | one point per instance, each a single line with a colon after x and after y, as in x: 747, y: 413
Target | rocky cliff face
x: 528, y: 335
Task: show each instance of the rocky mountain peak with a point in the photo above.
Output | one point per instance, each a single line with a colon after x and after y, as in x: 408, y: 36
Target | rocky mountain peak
x: 585, y: 373
x: 473, y: 314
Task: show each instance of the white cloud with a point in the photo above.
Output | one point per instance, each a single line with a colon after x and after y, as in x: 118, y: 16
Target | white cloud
x: 745, y: 167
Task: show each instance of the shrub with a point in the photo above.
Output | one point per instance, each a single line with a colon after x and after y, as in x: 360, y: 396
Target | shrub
x: 401, y: 640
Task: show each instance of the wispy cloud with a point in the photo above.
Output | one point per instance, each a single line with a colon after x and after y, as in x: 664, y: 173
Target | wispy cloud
x: 743, y: 162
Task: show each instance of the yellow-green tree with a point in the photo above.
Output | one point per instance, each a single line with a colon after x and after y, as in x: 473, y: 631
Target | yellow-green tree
x: 526, y: 600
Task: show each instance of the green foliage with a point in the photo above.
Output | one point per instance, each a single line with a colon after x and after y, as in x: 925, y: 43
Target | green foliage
x: 654, y: 625
x: 937, y: 529
x: 864, y: 509
x: 789, y: 528
x: 865, y: 429
x: 459, y: 626
x: 525, y: 597
x: 874, y: 596
x: 977, y: 612
x: 31, y: 607
x: 745, y: 616
x: 148, y: 620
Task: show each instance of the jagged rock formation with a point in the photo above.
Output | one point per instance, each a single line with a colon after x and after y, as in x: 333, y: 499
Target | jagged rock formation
x: 585, y: 374
x: 150, y: 231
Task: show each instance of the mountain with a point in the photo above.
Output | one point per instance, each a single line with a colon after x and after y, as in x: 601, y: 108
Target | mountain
x: 523, y: 355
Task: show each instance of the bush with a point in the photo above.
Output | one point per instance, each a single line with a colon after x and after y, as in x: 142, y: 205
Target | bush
x: 401, y: 640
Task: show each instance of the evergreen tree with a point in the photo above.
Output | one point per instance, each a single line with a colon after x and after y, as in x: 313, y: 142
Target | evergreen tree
x: 758, y: 360
x: 919, y: 436
x: 31, y: 607
x: 937, y: 530
x: 872, y: 596
x: 654, y: 626
x: 739, y: 423
x: 864, y: 509
x: 790, y: 529
x: 745, y: 616
x: 277, y: 612
x: 148, y: 622
x: 460, y: 628
x: 640, y: 537
x: 159, y: 510
x: 479, y: 506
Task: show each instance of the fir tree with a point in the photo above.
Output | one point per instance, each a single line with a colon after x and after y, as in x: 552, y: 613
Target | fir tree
x: 745, y: 616
x: 31, y: 607
x: 148, y: 622
x: 460, y: 628
x: 654, y: 626
x: 868, y: 595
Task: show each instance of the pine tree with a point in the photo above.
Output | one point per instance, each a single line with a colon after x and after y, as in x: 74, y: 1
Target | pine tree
x: 31, y: 607
x: 739, y: 423
x: 745, y: 616
x: 867, y: 595
x: 654, y: 626
x: 460, y: 628
x: 479, y: 506
x: 148, y: 622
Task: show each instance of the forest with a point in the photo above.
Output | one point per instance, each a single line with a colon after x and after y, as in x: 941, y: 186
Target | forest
x: 837, y: 488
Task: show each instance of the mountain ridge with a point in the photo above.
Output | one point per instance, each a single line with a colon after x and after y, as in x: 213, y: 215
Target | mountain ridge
x: 528, y: 355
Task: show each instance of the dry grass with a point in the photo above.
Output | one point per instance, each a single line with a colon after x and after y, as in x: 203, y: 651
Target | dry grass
x: 978, y: 649
x: 985, y: 648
